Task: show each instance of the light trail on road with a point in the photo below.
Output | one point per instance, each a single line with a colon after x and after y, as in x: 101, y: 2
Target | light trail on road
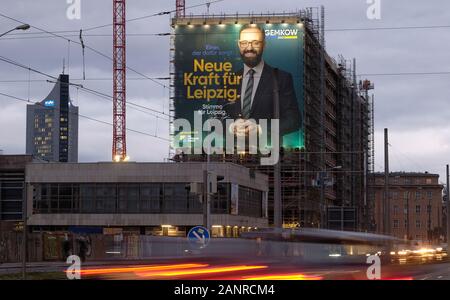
x: 202, y: 271
x: 154, y: 268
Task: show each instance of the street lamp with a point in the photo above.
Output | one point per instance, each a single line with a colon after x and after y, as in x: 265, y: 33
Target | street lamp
x: 20, y: 27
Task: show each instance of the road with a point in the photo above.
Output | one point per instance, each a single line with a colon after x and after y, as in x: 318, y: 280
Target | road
x: 240, y: 269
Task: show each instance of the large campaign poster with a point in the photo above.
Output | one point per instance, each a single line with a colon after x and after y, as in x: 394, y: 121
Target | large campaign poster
x: 226, y: 71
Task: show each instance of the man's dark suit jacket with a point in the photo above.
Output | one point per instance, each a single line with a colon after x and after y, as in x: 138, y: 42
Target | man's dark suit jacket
x: 262, y: 106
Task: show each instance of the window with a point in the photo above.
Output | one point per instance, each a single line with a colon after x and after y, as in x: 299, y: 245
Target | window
x: 54, y: 198
x: 428, y: 208
x: 395, y: 195
x: 418, y: 195
x: 430, y: 194
x: 175, y: 198
x: 406, y: 223
x: 406, y: 195
x: 429, y: 181
x: 395, y: 209
x: 250, y: 202
x: 65, y: 198
x: 87, y: 198
x: 418, y: 223
x: 105, y: 200
x: 219, y: 201
x: 407, y: 180
x: 128, y: 198
x: 151, y: 196
x: 417, y: 209
x: 396, y: 223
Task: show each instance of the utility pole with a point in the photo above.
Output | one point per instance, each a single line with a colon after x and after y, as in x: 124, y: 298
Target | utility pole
x: 205, y: 197
x: 207, y: 190
x: 386, y: 202
x: 24, y: 242
x: 277, y: 202
x: 366, y: 192
x: 448, y: 212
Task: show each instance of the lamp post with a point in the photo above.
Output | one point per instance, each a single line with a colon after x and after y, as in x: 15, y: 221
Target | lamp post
x: 25, y: 194
x: 20, y: 27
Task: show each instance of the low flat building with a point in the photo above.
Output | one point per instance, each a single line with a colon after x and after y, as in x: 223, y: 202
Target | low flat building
x: 415, y: 206
x: 146, y: 198
x: 12, y: 188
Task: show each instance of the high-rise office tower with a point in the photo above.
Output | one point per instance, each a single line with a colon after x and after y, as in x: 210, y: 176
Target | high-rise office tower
x: 52, y: 126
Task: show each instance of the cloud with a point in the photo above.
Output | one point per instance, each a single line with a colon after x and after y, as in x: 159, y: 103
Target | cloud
x: 414, y: 108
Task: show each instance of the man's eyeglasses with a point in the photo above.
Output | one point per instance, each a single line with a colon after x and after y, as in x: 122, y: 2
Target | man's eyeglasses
x: 255, y: 44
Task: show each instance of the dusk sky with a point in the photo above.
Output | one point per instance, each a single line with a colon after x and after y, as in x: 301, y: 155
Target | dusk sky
x: 413, y: 107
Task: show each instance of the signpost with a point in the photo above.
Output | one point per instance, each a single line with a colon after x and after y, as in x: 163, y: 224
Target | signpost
x: 198, y: 237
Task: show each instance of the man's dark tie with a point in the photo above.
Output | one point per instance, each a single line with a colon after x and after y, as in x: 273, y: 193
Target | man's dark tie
x: 248, y: 95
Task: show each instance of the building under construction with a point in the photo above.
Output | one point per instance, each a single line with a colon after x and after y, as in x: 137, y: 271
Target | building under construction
x: 323, y: 184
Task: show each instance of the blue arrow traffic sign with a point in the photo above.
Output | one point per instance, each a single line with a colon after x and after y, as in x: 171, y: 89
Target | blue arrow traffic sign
x: 198, y: 237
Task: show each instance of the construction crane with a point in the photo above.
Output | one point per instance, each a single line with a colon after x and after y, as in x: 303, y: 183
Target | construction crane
x: 119, y: 145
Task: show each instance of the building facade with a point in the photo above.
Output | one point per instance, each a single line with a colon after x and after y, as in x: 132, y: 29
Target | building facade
x: 149, y: 198
x: 415, y: 206
x: 52, y: 126
x: 12, y: 186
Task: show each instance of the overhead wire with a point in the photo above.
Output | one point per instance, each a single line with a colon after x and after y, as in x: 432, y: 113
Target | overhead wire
x: 101, y: 94
x: 84, y: 116
x: 87, y: 47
